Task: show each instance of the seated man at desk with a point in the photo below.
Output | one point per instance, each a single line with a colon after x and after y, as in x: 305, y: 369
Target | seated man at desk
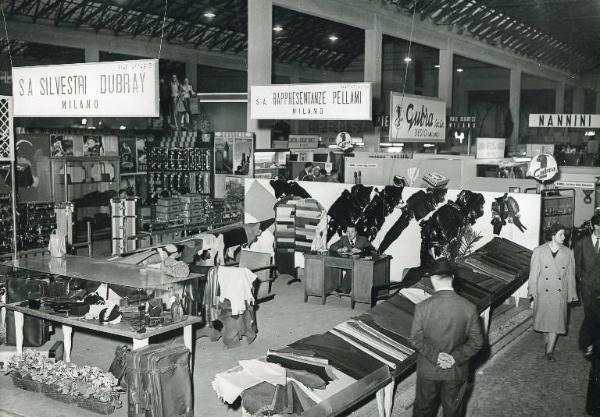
x: 351, y: 243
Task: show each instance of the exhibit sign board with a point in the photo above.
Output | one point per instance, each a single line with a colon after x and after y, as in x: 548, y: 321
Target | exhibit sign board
x: 95, y: 89
x: 490, y: 148
x: 326, y: 101
x: 417, y: 118
x: 565, y: 120
x: 303, y: 141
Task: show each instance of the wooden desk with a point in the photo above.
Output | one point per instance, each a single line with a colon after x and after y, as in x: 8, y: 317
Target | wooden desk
x: 323, y: 274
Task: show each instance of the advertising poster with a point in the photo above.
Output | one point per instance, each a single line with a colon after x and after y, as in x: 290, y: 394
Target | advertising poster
x: 127, y: 155
x: 140, y: 146
x: 61, y: 145
x: 92, y: 145
x: 417, y: 118
x: 223, y: 153
x: 242, y: 156
x: 33, y: 168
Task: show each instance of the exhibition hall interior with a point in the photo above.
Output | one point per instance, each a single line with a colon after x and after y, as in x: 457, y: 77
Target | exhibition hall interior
x: 299, y: 208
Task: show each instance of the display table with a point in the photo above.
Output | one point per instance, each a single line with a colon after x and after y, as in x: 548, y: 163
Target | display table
x: 323, y: 275
x: 109, y: 273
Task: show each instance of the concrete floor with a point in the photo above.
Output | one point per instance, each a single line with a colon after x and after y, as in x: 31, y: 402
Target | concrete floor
x: 515, y: 382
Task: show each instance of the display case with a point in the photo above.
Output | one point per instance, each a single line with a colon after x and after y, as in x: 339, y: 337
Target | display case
x: 558, y: 206
x: 65, y: 288
x: 271, y: 163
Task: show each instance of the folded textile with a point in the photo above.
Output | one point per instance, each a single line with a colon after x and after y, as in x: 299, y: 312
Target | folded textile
x: 308, y: 379
x: 383, y: 358
x: 296, y: 363
x: 395, y: 315
x: 269, y: 372
x: 236, y: 286
x: 340, y: 354
x: 415, y: 295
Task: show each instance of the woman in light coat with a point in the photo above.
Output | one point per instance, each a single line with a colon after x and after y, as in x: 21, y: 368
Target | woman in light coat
x: 552, y: 286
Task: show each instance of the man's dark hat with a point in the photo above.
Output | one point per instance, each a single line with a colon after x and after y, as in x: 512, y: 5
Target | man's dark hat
x: 441, y: 266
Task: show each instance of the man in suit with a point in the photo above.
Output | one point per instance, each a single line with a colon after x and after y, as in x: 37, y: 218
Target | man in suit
x: 306, y: 173
x: 353, y: 244
x: 587, y: 265
x: 446, y: 333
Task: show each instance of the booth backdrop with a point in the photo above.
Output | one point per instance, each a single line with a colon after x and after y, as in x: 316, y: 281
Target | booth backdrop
x: 260, y: 199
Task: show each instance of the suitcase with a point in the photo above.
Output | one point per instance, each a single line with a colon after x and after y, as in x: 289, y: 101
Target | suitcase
x: 159, y: 382
x: 36, y: 331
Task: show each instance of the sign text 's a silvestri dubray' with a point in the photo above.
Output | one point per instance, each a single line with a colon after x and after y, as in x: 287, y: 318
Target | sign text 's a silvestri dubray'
x: 106, y: 89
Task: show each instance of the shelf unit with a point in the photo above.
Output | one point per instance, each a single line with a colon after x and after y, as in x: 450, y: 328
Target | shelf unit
x: 558, y: 206
x: 75, y: 177
x: 174, y: 167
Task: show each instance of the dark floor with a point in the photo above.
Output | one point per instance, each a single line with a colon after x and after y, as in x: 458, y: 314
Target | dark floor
x: 518, y: 381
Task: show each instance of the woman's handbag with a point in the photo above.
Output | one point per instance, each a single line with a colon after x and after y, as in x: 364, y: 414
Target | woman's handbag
x: 57, y: 244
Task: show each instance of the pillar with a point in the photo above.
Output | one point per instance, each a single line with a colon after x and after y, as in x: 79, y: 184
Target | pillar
x: 446, y: 62
x: 92, y: 54
x: 597, y: 101
x: 260, y: 32
x: 191, y: 72
x: 373, y: 62
x: 559, y: 99
x: 578, y: 99
x: 514, y: 103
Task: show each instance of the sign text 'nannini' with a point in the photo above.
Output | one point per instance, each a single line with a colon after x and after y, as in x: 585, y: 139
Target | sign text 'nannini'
x: 565, y: 120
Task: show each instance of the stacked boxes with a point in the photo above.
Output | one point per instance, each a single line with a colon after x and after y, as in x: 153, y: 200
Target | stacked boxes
x: 168, y: 210
x: 193, y: 208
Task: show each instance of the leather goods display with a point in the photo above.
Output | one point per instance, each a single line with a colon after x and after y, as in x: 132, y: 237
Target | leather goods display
x: 36, y: 332
x: 380, y: 206
x: 75, y: 174
x: 284, y: 188
x: 347, y: 209
x: 159, y: 382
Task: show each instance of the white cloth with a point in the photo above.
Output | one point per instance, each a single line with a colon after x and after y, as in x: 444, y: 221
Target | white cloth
x: 272, y: 373
x: 416, y: 295
x: 319, y: 242
x: 229, y: 384
x: 236, y: 286
x: 214, y: 244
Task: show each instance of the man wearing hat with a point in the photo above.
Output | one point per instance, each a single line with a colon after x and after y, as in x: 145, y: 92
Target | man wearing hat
x: 446, y: 333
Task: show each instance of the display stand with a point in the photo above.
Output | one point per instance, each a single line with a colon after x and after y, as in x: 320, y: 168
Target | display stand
x: 558, y: 206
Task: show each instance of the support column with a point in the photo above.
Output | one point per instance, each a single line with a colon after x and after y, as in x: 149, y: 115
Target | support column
x: 446, y: 61
x: 260, y: 33
x: 92, y: 54
x: 597, y: 101
x: 559, y: 99
x: 191, y: 72
x: 578, y: 99
x: 514, y: 103
x: 373, y: 62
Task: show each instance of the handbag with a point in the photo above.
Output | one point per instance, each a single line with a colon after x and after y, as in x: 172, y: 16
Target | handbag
x: 119, y: 364
x: 57, y: 246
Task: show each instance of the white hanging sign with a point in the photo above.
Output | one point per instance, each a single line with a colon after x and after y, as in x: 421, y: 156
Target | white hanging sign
x: 565, y: 120
x: 417, y: 118
x: 101, y: 89
x: 327, y: 101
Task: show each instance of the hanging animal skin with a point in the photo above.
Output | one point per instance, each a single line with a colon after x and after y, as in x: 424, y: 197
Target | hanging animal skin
x: 347, y: 209
x: 382, y: 204
x: 506, y: 209
x: 418, y: 205
x: 444, y: 225
x: 288, y: 188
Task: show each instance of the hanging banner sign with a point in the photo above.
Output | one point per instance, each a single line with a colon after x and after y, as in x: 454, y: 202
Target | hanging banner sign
x: 340, y: 101
x: 98, y: 89
x: 543, y: 167
x: 462, y: 122
x: 417, y: 119
x: 565, y: 120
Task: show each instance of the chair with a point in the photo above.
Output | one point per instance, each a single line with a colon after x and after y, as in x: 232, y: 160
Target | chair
x: 261, y: 264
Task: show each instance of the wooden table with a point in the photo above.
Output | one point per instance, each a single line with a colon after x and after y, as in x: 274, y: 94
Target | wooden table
x: 323, y: 274
x: 104, y: 272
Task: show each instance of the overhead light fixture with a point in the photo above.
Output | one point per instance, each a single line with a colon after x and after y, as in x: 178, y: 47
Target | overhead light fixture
x: 459, y: 70
x: 408, y: 60
x: 333, y: 38
x: 209, y: 15
x: 590, y: 133
x: 277, y: 28
x: 436, y: 66
x: 84, y: 121
x: 122, y: 127
x: 429, y: 145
